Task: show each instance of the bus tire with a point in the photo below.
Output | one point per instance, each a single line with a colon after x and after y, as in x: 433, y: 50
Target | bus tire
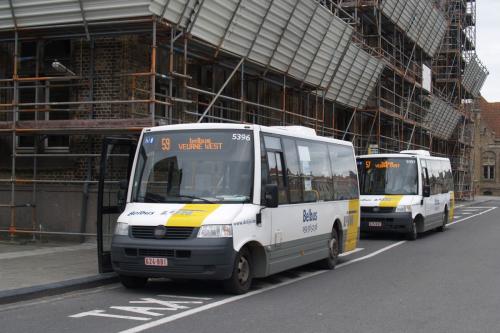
x: 445, y: 221
x: 241, y: 277
x: 333, y: 252
x: 413, y: 233
x: 133, y: 282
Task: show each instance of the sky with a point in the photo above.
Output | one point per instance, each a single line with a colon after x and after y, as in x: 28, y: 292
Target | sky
x: 488, y: 45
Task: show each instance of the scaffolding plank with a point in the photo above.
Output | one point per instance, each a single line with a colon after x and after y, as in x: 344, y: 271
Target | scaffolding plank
x: 441, y: 118
x: 474, y: 76
x: 420, y: 19
x: 31, y: 13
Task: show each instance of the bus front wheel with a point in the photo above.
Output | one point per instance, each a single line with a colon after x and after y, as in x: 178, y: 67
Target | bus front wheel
x: 133, y: 282
x: 241, y: 278
x: 413, y: 234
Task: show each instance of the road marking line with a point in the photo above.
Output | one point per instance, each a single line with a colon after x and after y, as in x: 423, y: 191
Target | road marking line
x: 469, y: 217
x: 466, y: 213
x: 187, y: 297
x: 373, y: 254
x: 457, y: 216
x: 458, y: 206
x: 351, y: 252
x: 100, y: 313
x: 477, y: 207
x: 232, y: 299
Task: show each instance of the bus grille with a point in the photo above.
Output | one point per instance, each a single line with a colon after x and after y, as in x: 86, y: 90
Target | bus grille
x: 147, y: 232
x: 133, y: 252
x: 377, y: 209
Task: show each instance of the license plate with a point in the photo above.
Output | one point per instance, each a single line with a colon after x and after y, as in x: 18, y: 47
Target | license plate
x: 148, y: 261
x: 374, y: 224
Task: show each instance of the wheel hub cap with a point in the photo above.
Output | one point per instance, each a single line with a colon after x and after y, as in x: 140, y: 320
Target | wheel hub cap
x: 243, y: 270
x: 333, y: 248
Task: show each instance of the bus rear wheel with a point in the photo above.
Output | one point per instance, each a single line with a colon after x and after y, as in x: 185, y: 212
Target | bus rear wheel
x: 133, y: 282
x: 241, y: 278
x: 333, y: 252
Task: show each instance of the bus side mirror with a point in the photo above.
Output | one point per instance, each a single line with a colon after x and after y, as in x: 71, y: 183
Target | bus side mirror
x: 426, y: 191
x: 271, y: 196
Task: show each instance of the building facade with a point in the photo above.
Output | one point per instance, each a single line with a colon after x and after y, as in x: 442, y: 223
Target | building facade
x: 487, y: 149
x: 387, y: 75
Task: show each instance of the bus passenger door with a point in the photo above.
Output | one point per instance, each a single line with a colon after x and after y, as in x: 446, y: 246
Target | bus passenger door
x: 117, y: 156
x: 278, y: 214
x: 428, y: 208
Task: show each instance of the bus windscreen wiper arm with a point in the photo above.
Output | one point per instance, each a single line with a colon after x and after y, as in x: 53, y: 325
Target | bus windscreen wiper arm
x: 194, y: 197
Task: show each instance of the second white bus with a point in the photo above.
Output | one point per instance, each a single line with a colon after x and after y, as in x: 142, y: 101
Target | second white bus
x: 410, y: 192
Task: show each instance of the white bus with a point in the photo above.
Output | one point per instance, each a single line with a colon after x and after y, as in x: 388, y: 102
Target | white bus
x: 410, y: 192
x: 232, y: 202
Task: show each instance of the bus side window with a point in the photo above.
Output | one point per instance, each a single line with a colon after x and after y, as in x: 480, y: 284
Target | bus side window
x: 449, y: 176
x: 426, y: 177
x: 425, y: 173
x: 321, y: 171
x: 315, y: 171
x: 432, y: 176
x: 345, y: 181
x: 446, y: 178
x: 294, y: 181
x: 435, y: 174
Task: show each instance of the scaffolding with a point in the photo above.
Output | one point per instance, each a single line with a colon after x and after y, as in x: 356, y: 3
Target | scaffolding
x: 458, y: 77
x: 432, y: 78
x: 348, y: 69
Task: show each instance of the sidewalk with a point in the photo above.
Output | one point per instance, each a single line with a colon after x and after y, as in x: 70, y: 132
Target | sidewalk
x: 478, y: 199
x: 37, y: 269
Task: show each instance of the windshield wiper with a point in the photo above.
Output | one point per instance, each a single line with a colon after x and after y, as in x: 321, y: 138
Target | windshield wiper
x: 233, y: 197
x: 151, y: 197
x: 193, y: 197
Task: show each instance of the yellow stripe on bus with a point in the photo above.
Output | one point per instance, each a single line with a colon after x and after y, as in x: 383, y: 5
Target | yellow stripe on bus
x: 452, y: 206
x: 191, y: 215
x: 353, y: 226
x: 390, y: 201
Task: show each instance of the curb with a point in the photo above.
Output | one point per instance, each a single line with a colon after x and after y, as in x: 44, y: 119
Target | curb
x: 56, y: 288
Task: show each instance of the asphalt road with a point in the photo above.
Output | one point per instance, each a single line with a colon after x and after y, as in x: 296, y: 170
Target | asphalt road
x: 443, y: 282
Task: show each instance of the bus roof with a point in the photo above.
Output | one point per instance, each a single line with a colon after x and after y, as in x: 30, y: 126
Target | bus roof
x: 293, y: 131
x: 399, y: 155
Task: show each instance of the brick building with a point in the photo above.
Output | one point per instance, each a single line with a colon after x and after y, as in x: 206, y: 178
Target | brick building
x: 487, y: 149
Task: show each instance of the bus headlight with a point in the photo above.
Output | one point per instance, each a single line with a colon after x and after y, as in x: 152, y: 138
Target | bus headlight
x: 403, y: 209
x: 215, y: 231
x: 121, y: 229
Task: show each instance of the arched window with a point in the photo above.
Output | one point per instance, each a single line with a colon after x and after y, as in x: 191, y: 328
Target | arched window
x: 489, y: 163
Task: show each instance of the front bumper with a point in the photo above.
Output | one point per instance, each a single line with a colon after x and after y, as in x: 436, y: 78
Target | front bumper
x: 394, y: 222
x: 193, y: 258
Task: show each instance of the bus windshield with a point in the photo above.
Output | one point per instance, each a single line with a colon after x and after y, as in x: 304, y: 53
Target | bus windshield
x: 379, y: 176
x: 202, y: 166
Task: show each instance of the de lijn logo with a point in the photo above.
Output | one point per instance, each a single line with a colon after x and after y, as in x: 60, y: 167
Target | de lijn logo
x: 309, y: 215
